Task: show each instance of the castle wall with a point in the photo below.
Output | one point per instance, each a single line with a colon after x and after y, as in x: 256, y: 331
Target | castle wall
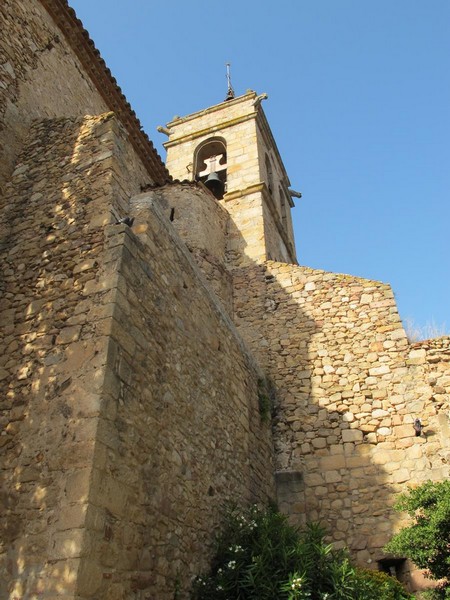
x: 41, y: 77
x: 202, y: 224
x: 349, y: 388
x: 183, y: 433
x: 129, y: 408
x: 55, y: 337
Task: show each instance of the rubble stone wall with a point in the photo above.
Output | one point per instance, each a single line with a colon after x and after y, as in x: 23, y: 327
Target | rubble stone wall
x: 129, y: 405
x: 349, y: 387
x: 54, y: 316
x: 182, y: 433
x: 41, y: 77
x: 202, y: 223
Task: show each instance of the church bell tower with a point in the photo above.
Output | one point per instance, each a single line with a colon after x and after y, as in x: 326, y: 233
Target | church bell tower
x: 230, y: 149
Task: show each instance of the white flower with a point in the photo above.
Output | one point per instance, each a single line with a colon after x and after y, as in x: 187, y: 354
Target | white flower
x: 296, y: 583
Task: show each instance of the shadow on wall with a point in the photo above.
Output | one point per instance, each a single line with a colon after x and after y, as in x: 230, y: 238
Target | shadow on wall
x: 131, y: 402
x: 324, y: 466
x: 349, y: 387
x: 53, y: 330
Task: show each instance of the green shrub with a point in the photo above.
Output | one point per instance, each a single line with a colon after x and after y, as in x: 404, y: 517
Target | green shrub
x: 259, y: 556
x: 427, y: 540
x: 377, y: 584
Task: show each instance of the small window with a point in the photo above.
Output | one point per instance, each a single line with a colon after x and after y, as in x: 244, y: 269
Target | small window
x: 283, y: 208
x: 269, y: 174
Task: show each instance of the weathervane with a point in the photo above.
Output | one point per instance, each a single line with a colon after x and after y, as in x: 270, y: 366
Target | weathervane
x: 230, y: 92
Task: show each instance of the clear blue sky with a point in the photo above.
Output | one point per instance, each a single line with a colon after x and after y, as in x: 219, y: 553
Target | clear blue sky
x: 359, y: 104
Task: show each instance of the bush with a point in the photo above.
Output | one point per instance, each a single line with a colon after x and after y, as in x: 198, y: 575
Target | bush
x: 377, y: 584
x: 427, y: 541
x: 260, y: 556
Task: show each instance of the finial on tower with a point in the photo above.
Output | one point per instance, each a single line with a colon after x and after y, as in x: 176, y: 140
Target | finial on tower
x: 230, y: 92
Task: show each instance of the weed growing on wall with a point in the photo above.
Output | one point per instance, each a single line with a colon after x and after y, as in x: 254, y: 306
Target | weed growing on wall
x: 266, y: 399
x: 259, y: 556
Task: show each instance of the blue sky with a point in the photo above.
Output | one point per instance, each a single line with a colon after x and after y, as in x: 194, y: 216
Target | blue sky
x: 359, y: 97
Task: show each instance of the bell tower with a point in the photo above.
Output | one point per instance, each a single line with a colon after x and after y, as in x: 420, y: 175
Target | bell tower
x: 230, y: 149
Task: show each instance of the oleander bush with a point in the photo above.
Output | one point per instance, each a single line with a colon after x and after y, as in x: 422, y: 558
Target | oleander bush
x: 259, y: 556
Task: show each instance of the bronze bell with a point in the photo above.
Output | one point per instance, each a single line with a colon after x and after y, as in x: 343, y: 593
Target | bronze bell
x: 215, y: 185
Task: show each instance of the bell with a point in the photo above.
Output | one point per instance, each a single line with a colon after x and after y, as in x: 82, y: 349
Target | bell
x: 215, y: 185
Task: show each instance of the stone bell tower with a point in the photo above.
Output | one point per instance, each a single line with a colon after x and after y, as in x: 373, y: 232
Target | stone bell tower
x: 230, y: 148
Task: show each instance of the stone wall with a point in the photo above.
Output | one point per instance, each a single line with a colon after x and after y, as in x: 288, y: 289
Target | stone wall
x: 129, y: 408
x: 349, y: 388
x: 202, y: 223
x: 49, y: 67
x: 63, y: 191
x: 33, y: 55
x: 182, y: 433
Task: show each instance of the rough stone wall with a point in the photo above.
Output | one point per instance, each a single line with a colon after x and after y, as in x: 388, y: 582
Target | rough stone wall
x: 202, y: 223
x: 349, y: 388
x: 53, y: 318
x: 182, y: 433
x: 41, y: 77
x: 129, y: 408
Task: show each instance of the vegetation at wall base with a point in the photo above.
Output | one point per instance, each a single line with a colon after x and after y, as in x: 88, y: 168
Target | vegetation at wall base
x: 426, y: 542
x: 259, y: 556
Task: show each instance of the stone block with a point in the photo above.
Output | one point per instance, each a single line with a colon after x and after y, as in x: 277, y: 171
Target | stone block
x: 352, y: 435
x: 332, y: 476
x: 332, y: 462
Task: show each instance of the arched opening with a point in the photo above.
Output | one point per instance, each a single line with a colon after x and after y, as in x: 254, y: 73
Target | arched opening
x: 210, y: 165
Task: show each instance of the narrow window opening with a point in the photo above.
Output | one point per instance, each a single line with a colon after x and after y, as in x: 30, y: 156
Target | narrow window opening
x: 172, y: 214
x: 283, y: 209
x: 269, y: 173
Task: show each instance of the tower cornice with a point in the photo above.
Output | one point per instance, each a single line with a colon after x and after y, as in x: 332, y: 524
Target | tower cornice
x: 209, y: 130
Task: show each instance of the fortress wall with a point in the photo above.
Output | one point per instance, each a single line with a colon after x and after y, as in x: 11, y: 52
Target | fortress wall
x: 54, y: 310
x: 202, y: 224
x: 129, y: 408
x: 349, y: 388
x: 182, y: 433
x: 41, y: 77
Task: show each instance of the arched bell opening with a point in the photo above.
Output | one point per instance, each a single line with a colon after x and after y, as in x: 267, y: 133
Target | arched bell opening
x: 210, y: 165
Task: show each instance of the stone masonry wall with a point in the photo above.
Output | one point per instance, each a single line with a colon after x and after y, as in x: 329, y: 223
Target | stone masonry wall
x: 40, y: 75
x: 182, y: 433
x: 129, y: 408
x: 64, y: 190
x: 349, y: 387
x: 202, y: 223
